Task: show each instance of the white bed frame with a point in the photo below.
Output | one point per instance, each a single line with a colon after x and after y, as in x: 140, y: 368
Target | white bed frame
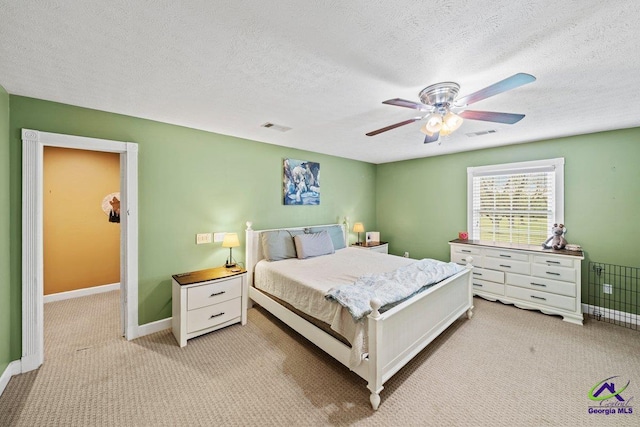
x: 395, y: 336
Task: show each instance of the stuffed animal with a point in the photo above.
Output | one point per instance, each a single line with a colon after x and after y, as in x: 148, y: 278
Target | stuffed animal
x: 557, y: 238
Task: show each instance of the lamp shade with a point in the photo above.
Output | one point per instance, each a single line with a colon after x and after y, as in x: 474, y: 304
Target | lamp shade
x: 230, y: 240
x: 358, y: 227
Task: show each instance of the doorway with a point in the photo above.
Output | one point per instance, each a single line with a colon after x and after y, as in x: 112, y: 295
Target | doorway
x: 33, y: 143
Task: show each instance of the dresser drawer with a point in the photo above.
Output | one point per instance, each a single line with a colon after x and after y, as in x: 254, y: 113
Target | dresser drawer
x: 506, y: 255
x: 210, y: 316
x: 213, y: 293
x: 553, y: 272
x: 461, y: 259
x: 507, y: 265
x: 542, y: 298
x: 466, y: 249
x: 485, y: 286
x: 557, y: 261
x: 490, y: 275
x: 541, y: 284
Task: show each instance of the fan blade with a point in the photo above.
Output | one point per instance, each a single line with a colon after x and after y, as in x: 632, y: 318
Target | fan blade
x: 433, y: 138
x: 404, y: 103
x: 397, y: 125
x: 509, y: 83
x: 490, y: 116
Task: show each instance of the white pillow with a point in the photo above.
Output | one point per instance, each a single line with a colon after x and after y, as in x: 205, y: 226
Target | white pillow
x: 314, y: 244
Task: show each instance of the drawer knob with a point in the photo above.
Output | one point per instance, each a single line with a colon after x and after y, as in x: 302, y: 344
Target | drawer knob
x: 505, y: 256
x: 552, y: 273
x: 536, y: 297
x: 477, y: 274
x: 538, y: 284
x: 216, y: 315
x: 217, y: 293
x: 477, y: 284
x: 465, y: 251
x: 552, y: 262
x: 506, y: 266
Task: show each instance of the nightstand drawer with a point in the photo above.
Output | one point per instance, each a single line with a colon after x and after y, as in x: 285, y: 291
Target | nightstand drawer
x: 542, y: 298
x: 556, y: 273
x: 541, y: 284
x: 207, y: 317
x: 213, y: 293
x: 490, y: 275
x: 506, y: 265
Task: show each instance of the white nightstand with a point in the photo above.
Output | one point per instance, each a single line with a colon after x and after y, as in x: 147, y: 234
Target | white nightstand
x: 207, y: 300
x: 382, y: 247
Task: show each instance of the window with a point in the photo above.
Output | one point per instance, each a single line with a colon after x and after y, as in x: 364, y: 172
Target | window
x: 516, y: 202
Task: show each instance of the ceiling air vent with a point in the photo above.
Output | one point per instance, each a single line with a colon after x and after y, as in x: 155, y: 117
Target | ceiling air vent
x: 484, y: 132
x: 274, y: 126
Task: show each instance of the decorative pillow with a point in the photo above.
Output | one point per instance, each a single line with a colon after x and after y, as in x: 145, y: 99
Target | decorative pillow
x: 278, y: 244
x: 336, y: 234
x: 315, y: 244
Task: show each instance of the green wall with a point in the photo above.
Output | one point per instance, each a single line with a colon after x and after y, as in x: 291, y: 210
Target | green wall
x: 421, y: 204
x: 5, y: 287
x: 190, y: 182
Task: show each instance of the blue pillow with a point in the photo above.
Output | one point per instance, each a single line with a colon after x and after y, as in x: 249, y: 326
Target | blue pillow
x: 278, y: 244
x: 336, y: 234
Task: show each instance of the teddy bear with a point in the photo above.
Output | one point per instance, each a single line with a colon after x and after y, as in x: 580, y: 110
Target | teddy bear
x: 557, y: 238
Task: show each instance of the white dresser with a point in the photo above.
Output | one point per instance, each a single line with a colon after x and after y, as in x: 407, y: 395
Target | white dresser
x: 525, y: 276
x: 207, y: 300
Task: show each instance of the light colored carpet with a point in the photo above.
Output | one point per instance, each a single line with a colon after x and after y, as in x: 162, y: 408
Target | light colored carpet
x: 505, y: 366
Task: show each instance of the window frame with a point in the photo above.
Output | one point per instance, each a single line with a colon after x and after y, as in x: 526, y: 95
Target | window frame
x: 556, y: 165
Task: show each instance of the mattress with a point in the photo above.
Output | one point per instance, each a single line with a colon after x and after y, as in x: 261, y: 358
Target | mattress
x: 304, y: 283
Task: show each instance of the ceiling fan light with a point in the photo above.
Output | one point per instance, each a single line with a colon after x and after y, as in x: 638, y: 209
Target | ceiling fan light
x: 452, y: 121
x: 433, y: 124
x: 446, y: 130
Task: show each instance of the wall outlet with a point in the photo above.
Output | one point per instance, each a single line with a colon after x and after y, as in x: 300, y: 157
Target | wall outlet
x: 406, y: 255
x: 218, y: 237
x: 203, y: 238
x: 607, y: 289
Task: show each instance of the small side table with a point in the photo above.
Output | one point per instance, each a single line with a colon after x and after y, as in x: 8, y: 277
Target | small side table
x: 382, y: 247
x: 206, y: 300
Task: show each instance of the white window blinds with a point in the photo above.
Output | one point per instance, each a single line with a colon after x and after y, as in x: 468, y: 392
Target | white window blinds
x: 515, y: 203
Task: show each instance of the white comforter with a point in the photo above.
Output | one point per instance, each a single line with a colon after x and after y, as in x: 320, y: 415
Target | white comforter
x: 318, y: 276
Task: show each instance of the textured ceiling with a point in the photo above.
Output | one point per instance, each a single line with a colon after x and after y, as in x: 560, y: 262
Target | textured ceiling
x: 324, y: 67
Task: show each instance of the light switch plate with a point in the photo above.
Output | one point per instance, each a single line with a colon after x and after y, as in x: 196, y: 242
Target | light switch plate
x: 203, y: 238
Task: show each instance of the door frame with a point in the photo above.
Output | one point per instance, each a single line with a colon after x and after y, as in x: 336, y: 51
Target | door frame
x: 33, y: 143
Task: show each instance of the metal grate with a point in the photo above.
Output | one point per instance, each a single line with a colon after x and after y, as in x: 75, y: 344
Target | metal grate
x: 614, y: 294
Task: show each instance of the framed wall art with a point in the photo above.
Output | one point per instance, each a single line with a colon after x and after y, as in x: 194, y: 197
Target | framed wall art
x: 301, y: 182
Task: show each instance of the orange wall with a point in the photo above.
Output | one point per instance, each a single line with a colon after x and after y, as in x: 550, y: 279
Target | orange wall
x: 81, y: 246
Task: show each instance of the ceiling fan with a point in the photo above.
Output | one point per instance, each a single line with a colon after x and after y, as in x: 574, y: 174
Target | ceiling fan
x: 444, y: 113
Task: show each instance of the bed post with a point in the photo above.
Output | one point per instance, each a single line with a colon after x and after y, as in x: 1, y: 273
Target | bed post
x: 375, y: 342
x: 250, y: 255
x: 469, y: 266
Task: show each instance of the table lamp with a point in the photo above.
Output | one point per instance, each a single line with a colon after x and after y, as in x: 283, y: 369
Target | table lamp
x: 230, y: 241
x: 358, y: 227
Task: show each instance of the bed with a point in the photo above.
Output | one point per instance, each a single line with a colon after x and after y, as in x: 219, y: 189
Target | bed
x: 379, y: 345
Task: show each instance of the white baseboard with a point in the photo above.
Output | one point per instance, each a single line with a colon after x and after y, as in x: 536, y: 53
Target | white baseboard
x: 615, y: 315
x: 13, y: 368
x: 81, y: 292
x: 153, y: 327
